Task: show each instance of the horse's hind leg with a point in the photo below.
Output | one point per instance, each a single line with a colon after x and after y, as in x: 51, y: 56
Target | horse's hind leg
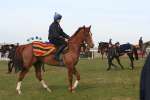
x: 102, y: 54
x: 70, y: 76
x: 21, y: 77
x: 76, y: 73
x: 130, y: 55
x: 43, y: 68
x: 39, y: 75
x: 10, y: 67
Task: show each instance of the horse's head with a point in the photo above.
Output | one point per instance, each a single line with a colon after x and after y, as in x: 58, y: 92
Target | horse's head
x: 88, y: 36
x: 83, y: 35
x: 99, y: 47
x: 117, y: 44
x: 102, y: 46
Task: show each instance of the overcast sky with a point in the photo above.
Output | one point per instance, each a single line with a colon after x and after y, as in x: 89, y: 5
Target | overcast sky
x: 121, y: 20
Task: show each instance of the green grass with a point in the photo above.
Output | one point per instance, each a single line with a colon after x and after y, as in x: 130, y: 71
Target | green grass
x: 96, y: 83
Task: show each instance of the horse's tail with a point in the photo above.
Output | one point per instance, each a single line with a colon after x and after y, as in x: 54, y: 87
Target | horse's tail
x: 18, y: 61
x: 135, y: 53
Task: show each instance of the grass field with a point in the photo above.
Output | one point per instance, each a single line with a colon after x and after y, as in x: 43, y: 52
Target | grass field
x: 96, y: 83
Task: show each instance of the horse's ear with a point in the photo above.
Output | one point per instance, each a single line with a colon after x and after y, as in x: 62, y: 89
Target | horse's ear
x: 83, y: 26
x: 90, y: 27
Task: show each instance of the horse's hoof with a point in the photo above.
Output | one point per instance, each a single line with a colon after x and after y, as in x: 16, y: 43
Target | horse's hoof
x: 69, y: 88
x: 73, y: 91
x: 73, y: 88
x: 49, y: 90
x: 19, y: 92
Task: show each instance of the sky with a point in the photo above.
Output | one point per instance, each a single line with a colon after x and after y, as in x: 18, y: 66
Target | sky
x: 122, y: 20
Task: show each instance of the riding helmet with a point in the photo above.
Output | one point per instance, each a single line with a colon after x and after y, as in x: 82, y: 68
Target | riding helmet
x: 57, y: 16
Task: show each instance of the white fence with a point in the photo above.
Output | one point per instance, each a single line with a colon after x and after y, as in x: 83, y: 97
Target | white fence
x: 93, y: 53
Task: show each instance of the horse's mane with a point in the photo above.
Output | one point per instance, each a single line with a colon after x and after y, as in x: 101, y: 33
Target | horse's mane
x: 103, y: 43
x: 76, y: 32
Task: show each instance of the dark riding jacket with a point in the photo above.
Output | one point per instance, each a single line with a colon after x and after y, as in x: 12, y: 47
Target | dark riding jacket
x: 56, y: 33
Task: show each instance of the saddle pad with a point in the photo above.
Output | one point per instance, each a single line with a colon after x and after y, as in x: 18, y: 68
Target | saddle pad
x: 42, y: 49
x: 125, y: 47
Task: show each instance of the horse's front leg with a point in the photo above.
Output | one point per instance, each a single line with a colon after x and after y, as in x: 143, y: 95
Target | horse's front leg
x: 131, y: 60
x: 70, y: 77
x: 9, y: 67
x: 76, y: 73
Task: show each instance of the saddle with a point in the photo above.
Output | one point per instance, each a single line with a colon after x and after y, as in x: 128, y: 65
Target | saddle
x: 43, y: 49
x: 125, y: 47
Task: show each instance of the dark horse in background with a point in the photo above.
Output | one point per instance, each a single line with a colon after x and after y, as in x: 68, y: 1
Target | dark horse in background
x: 70, y: 58
x: 103, y: 48
x: 11, y: 56
x: 5, y: 49
x: 115, y: 51
x: 143, y: 48
x: 10, y: 50
x: 83, y: 48
x: 85, y: 51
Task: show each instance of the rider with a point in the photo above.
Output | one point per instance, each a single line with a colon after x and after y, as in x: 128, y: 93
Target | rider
x: 117, y: 44
x: 140, y: 42
x: 110, y: 43
x: 57, y: 35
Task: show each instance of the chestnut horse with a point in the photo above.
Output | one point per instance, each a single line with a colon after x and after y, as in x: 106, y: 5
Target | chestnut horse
x: 69, y: 58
